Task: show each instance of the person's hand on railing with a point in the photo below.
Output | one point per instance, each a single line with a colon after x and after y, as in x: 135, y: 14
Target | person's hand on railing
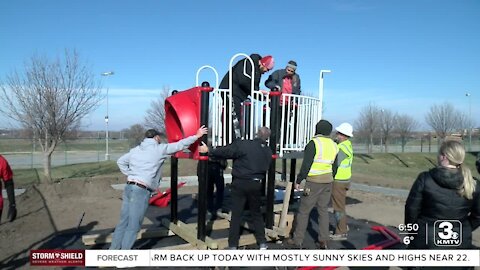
x: 203, y: 148
x: 201, y: 131
x: 264, y: 95
x: 264, y: 92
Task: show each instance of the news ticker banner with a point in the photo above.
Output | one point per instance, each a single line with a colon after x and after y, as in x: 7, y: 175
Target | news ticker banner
x: 205, y: 258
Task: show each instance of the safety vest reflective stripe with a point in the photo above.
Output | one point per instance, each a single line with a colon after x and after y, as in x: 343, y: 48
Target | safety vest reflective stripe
x: 318, y: 172
x: 323, y: 161
x: 344, y: 171
x: 325, y: 152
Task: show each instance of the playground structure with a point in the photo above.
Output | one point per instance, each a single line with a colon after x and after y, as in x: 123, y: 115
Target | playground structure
x: 292, y: 125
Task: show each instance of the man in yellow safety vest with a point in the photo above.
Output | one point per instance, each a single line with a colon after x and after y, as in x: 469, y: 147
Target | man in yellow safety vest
x: 317, y: 170
x: 342, y: 171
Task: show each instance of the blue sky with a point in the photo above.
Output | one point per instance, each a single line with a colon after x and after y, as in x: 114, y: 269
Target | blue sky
x: 400, y: 55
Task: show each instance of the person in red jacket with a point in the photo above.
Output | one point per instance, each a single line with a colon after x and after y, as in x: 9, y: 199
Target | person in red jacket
x: 6, y: 175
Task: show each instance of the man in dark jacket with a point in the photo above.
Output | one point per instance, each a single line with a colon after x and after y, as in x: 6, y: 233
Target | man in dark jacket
x: 6, y: 175
x: 242, y: 81
x: 251, y: 160
x: 285, y: 80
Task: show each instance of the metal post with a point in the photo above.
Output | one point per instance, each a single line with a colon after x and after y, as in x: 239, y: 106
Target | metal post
x: 174, y: 189
x: 107, y: 155
x: 284, y: 169
x: 275, y: 112
x: 421, y: 144
x: 203, y: 165
x: 246, y: 119
x: 320, y: 94
x: 429, y: 142
x: 381, y: 129
x: 293, y: 176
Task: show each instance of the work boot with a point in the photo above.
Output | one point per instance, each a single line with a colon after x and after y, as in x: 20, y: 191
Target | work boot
x: 291, y: 244
x: 339, y: 237
x: 263, y: 246
x: 321, y: 244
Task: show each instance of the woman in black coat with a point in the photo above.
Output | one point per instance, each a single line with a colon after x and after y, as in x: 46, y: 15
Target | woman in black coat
x: 447, y: 192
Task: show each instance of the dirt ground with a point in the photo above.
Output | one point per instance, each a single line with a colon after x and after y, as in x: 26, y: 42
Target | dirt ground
x: 46, y: 210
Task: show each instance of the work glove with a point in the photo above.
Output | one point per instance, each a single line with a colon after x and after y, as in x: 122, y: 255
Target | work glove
x: 12, y: 213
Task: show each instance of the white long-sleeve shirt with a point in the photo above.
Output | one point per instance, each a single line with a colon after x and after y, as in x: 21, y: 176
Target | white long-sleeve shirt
x: 143, y: 163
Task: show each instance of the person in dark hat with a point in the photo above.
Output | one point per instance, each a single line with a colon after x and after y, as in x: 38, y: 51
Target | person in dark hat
x: 317, y: 170
x: 242, y: 74
x: 286, y: 81
x: 143, y: 166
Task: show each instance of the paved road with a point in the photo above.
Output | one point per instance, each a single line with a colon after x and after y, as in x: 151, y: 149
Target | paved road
x: 35, y: 160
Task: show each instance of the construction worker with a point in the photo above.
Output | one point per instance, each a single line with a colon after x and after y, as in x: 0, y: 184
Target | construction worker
x: 6, y: 175
x: 342, y: 172
x: 317, y: 170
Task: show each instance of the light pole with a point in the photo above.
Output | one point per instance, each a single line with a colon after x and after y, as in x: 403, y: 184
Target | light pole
x: 468, y: 95
x: 320, y: 91
x: 381, y: 128
x: 107, y: 155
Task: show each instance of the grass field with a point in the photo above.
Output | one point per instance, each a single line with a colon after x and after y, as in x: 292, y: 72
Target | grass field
x: 397, y: 170
x: 24, y: 145
x: 387, y: 170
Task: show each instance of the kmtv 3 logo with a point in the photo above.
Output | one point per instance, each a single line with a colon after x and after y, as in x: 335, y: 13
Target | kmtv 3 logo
x: 447, y: 233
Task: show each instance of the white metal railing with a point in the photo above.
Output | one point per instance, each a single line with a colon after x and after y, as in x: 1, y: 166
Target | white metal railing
x: 214, y: 100
x: 298, y: 114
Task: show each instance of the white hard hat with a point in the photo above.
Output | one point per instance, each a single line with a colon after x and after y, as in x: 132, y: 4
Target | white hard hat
x: 346, y: 129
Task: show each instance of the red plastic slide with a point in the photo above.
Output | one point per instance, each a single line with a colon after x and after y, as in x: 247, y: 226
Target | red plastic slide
x: 161, y: 199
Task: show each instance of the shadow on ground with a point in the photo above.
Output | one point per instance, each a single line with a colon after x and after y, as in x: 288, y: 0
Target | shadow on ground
x: 360, y: 235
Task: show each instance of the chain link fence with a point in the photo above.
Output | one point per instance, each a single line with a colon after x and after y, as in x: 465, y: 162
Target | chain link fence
x: 24, y: 153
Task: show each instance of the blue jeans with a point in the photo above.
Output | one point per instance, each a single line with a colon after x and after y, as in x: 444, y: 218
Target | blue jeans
x: 134, y: 206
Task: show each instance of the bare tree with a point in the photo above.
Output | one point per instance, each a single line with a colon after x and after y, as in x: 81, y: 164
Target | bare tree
x: 50, y: 97
x: 156, y: 113
x: 135, y: 134
x: 444, y: 119
x: 387, y: 124
x: 368, y: 123
x: 405, y: 126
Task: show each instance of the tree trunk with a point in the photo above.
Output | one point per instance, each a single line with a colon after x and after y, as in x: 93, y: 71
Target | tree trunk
x: 370, y: 145
x: 47, y: 166
x: 404, y: 142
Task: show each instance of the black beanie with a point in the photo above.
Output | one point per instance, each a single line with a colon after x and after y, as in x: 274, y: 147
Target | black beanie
x: 323, y: 127
x: 151, y: 133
